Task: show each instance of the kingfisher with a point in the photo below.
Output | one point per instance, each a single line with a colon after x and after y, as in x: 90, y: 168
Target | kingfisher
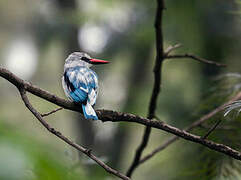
x: 80, y: 83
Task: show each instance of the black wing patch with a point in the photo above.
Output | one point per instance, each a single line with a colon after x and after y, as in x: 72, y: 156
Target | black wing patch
x: 70, y: 86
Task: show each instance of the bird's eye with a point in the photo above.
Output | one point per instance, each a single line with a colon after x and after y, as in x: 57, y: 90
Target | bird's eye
x: 84, y: 58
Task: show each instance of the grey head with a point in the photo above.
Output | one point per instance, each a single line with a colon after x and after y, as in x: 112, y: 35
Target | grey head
x: 81, y: 59
x: 78, y: 59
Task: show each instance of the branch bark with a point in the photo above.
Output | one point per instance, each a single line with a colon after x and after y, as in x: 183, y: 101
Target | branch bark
x: 156, y: 87
x: 109, y: 115
x: 113, y: 116
x: 191, y: 127
x: 87, y: 152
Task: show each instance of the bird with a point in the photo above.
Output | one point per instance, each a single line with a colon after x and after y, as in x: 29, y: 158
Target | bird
x: 80, y: 83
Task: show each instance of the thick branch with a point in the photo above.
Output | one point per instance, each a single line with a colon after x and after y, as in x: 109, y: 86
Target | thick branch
x: 156, y: 87
x: 182, y: 56
x: 38, y: 91
x: 108, y: 115
x: 65, y: 139
x: 191, y: 127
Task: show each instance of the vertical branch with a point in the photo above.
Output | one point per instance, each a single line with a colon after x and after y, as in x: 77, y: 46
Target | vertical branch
x: 159, y: 59
x: 156, y: 87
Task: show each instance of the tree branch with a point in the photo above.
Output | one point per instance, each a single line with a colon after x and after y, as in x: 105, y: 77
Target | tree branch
x: 108, y: 115
x: 87, y: 152
x: 191, y: 127
x: 182, y: 56
x: 113, y: 116
x: 38, y: 91
x: 212, y: 129
x: 171, y: 48
x: 156, y: 87
x: 51, y: 112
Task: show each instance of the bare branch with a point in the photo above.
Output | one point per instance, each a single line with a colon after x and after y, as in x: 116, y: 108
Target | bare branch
x: 160, y: 148
x: 156, y: 87
x: 195, y: 58
x: 171, y: 48
x: 113, y: 116
x: 212, y: 129
x: 38, y: 91
x: 108, y: 115
x: 227, y: 128
x: 87, y: 152
x: 189, y: 128
x: 51, y: 112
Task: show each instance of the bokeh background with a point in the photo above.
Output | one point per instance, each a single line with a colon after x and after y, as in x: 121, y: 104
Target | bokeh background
x: 37, y: 36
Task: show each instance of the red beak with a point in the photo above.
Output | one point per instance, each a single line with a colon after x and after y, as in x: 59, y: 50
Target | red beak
x: 98, y: 61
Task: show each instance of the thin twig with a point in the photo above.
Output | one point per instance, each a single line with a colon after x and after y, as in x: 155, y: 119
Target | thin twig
x: 156, y: 86
x: 181, y: 56
x: 65, y: 139
x: 51, y: 112
x: 158, y: 149
x: 190, y: 127
x: 212, y: 129
x: 228, y: 128
x: 171, y: 48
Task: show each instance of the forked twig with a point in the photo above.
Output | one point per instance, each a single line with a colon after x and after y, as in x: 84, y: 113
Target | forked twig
x: 65, y: 139
x: 156, y: 87
x: 182, y: 56
x: 51, y: 112
x: 171, y: 48
x: 195, y: 124
x: 114, y: 116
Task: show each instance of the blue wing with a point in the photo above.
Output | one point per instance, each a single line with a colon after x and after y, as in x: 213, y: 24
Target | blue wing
x: 81, y: 84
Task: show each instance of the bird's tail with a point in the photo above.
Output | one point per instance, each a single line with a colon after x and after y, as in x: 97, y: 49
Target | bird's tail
x: 89, y: 112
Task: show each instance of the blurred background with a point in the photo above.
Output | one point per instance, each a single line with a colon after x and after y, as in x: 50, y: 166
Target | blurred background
x: 37, y: 36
